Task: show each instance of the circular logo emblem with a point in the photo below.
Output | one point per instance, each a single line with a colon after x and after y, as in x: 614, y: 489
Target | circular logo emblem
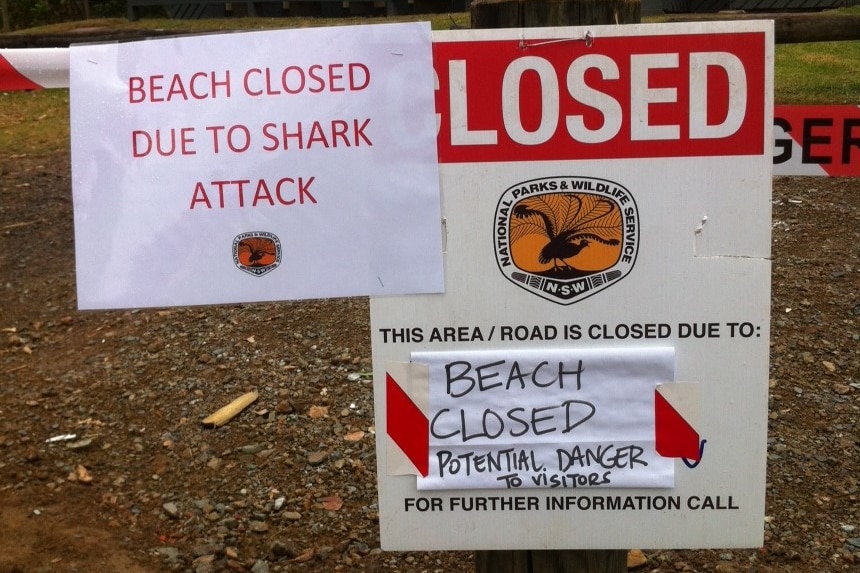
x: 566, y: 238
x: 257, y: 253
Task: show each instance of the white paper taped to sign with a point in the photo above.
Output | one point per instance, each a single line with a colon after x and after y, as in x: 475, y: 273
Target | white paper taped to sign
x: 530, y: 418
x: 259, y: 166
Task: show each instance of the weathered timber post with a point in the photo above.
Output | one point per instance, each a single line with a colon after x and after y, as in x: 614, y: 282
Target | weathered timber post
x: 537, y: 13
x: 531, y: 14
x: 4, y: 12
x: 560, y: 561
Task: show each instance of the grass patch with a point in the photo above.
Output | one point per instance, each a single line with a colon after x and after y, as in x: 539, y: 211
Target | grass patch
x: 34, y: 123
x: 817, y: 73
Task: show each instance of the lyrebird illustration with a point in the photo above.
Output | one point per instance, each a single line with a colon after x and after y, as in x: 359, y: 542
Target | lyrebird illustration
x: 570, y: 222
x: 257, y: 249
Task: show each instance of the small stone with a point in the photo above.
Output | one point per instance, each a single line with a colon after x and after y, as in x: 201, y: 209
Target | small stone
x: 260, y: 566
x: 32, y: 455
x: 282, y: 549
x: 204, y: 564
x: 316, y: 458
x: 204, y: 550
x: 831, y: 367
x: 635, y: 558
x: 252, y: 448
x: 355, y: 436
x: 841, y: 389
x: 82, y: 475
x: 259, y: 526
x: 170, y: 554
x: 171, y: 510
x: 364, y: 549
x: 285, y: 407
x: 292, y: 515
x: 318, y: 412
x: 80, y: 444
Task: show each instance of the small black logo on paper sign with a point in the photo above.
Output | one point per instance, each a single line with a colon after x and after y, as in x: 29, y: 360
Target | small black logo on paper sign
x: 257, y: 253
x: 566, y: 238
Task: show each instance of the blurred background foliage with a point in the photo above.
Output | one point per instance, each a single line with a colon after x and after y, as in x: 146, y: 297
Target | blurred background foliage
x: 30, y: 13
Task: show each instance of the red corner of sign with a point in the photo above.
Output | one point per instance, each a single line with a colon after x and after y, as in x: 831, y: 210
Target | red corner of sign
x: 407, y: 425
x: 12, y: 80
x: 675, y: 437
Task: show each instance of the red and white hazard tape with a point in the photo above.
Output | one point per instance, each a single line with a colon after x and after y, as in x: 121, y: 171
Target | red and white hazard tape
x: 817, y: 140
x: 808, y: 140
x: 34, y: 69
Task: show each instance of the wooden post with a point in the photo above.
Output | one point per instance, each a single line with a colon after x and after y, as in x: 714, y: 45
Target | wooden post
x: 561, y: 561
x: 529, y: 14
x: 537, y: 13
x: 4, y: 11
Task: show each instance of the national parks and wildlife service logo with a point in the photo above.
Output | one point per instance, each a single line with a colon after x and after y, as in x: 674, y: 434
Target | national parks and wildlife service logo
x: 257, y: 253
x: 566, y: 238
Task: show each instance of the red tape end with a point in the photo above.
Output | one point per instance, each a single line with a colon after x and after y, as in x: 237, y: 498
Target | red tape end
x: 407, y: 425
x: 675, y: 437
x: 11, y: 80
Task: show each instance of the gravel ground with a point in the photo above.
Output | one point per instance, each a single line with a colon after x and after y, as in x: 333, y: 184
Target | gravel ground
x: 290, y: 484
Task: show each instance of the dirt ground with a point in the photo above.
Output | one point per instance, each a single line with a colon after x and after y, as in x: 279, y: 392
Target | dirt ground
x: 290, y: 484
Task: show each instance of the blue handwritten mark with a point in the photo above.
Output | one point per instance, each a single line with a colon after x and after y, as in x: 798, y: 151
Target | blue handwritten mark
x: 695, y: 463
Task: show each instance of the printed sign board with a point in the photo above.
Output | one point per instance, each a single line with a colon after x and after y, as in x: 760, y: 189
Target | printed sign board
x: 595, y: 374
x: 252, y: 167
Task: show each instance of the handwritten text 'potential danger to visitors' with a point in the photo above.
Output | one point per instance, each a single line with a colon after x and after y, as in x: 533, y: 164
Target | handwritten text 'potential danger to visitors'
x: 545, y: 418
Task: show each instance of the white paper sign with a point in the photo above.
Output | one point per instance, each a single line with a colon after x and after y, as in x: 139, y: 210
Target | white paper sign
x: 257, y: 166
x: 545, y: 418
